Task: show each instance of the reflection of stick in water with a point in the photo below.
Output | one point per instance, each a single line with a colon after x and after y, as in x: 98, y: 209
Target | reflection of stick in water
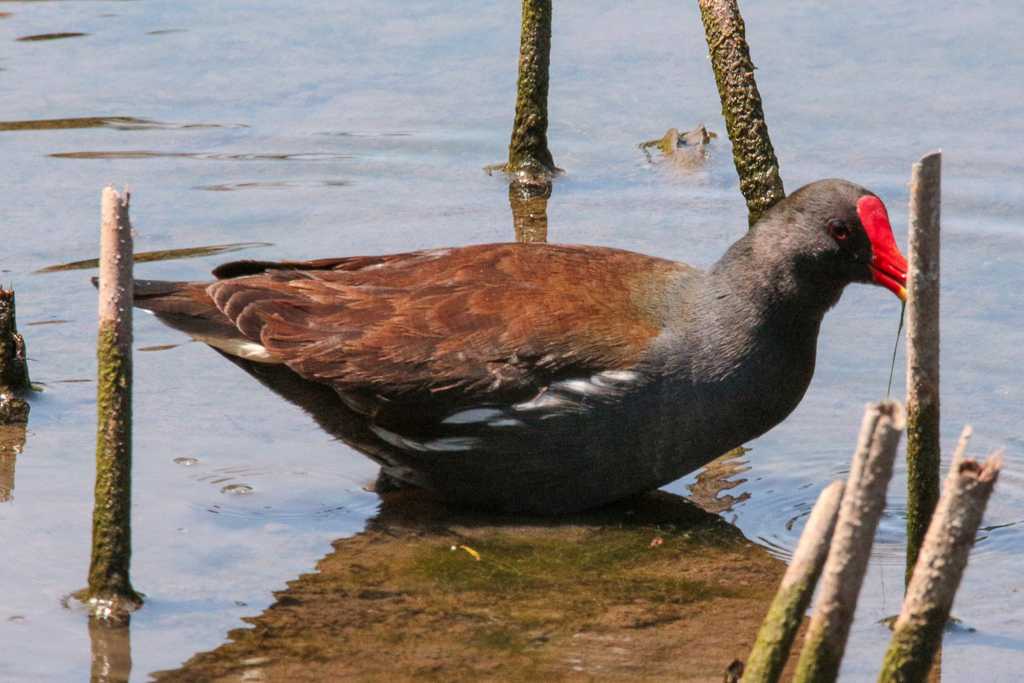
x: 752, y: 149
x: 12, y: 442
x: 111, y: 645
x: 528, y: 198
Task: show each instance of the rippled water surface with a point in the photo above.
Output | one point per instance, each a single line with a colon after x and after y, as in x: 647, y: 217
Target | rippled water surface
x: 361, y: 128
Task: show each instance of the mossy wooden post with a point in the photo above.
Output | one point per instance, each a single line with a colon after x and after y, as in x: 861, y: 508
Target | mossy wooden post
x: 528, y: 196
x: 752, y: 150
x: 923, y: 450
x: 774, y: 640
x: 940, y: 566
x: 528, y: 150
x: 13, y: 364
x: 110, y: 591
x: 847, y: 562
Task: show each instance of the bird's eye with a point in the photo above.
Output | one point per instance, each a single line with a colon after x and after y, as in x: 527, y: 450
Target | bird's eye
x: 838, y: 229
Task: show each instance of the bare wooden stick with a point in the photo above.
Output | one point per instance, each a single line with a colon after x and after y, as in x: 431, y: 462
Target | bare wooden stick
x: 940, y: 566
x: 774, y: 640
x: 961, y: 445
x: 752, y: 150
x: 862, y: 506
x: 923, y: 450
x: 110, y: 592
x: 528, y: 149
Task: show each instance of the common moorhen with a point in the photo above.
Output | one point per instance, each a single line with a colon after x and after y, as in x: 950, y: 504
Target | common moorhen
x: 547, y: 378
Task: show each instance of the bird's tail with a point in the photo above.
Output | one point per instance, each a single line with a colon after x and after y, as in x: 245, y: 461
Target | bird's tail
x: 186, y: 306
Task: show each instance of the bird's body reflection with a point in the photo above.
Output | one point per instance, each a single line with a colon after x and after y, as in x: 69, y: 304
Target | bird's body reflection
x: 434, y: 590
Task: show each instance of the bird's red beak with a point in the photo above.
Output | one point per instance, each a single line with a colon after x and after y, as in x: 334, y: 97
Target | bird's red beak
x: 888, y: 265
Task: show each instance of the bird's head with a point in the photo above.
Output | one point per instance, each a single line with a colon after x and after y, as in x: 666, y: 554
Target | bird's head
x: 837, y: 233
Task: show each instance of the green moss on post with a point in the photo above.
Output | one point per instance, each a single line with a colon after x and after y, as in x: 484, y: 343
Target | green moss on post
x: 786, y: 613
x: 528, y: 151
x: 752, y: 149
x: 923, y: 449
x: 110, y: 593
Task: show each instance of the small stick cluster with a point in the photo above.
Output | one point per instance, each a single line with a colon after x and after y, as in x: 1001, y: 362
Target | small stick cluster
x: 847, y: 531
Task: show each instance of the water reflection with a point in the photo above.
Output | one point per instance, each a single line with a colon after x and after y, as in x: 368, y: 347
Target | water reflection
x: 721, y: 474
x: 113, y: 122
x: 39, y: 37
x: 461, y: 593
x: 162, y: 255
x: 528, y: 196
x: 111, y: 646
x: 12, y: 443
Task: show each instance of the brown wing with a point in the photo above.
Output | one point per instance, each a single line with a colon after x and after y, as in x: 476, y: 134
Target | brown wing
x: 490, y: 319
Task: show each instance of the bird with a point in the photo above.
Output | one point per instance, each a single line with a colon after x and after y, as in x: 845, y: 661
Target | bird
x: 539, y: 378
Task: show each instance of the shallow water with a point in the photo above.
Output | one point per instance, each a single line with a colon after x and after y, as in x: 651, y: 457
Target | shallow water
x: 363, y: 128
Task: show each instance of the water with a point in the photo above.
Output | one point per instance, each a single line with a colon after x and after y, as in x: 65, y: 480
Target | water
x: 361, y: 128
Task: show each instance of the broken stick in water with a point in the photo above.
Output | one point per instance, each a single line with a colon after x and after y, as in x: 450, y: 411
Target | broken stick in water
x: 940, y: 566
x: 859, y: 513
x: 774, y: 640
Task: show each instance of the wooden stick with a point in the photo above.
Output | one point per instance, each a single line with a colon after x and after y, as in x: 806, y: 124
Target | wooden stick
x: 862, y: 506
x: 940, y: 566
x: 752, y: 150
x: 13, y: 365
x: 774, y: 640
x: 923, y: 450
x: 110, y: 592
x: 528, y: 149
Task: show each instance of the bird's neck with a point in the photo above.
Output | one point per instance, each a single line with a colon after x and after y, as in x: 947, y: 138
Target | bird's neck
x: 756, y: 278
